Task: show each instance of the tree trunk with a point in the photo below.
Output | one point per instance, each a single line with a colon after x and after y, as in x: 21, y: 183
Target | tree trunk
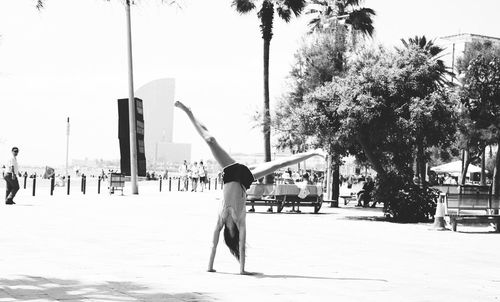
x: 496, y: 173
x: 335, y: 183
x: 421, y: 164
x: 269, y: 179
x: 377, y: 166
x: 465, y: 166
x: 469, y: 159
x: 328, y: 177
x: 483, y: 164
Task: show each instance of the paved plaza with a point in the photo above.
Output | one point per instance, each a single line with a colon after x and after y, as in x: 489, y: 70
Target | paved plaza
x: 155, y: 247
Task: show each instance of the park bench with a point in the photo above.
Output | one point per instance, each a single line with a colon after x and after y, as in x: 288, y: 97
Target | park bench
x: 116, y: 182
x: 472, y: 204
x: 262, y: 195
x: 348, y: 198
x: 284, y: 195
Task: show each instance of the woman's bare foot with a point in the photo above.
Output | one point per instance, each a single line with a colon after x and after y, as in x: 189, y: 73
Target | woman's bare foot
x: 180, y: 105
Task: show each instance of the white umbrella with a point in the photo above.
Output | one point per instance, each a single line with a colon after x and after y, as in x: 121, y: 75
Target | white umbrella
x: 455, y: 167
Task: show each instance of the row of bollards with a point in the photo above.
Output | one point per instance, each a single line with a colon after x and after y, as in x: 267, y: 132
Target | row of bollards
x: 215, y: 183
x: 186, y: 185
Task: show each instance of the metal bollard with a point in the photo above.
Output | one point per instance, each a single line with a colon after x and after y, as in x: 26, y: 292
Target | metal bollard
x: 216, y: 184
x: 170, y: 184
x: 84, y: 184
x: 179, y: 185
x: 81, y: 183
x: 69, y: 184
x: 160, y: 183
x: 209, y: 181
x: 25, y: 176
x: 34, y: 185
x: 99, y: 185
x: 52, y: 184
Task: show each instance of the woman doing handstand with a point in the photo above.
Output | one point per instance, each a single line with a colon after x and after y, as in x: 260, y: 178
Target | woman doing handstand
x: 237, y: 179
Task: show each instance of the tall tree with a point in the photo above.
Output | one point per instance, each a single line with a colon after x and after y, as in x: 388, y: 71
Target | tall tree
x: 437, y: 77
x: 339, y: 18
x: 476, y: 136
x: 285, y: 9
x: 481, y: 96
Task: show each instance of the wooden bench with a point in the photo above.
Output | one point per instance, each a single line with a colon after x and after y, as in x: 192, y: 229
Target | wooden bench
x: 282, y: 195
x: 261, y: 195
x: 472, y: 205
x: 348, y: 198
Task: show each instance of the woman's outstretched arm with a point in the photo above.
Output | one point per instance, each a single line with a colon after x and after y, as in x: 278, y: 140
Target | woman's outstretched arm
x: 220, y: 155
x: 262, y: 170
x: 215, y: 241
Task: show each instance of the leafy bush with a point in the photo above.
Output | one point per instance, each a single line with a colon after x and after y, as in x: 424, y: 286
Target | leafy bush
x: 403, y: 200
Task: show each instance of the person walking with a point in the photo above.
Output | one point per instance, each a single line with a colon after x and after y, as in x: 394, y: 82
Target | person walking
x: 12, y: 183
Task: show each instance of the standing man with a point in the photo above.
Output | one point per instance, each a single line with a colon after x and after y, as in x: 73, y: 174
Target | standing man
x: 194, y: 177
x: 202, y: 173
x: 11, y: 177
x: 183, y: 172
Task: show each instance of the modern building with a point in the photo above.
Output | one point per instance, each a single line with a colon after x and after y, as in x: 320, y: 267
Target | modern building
x: 456, y: 46
x: 158, y: 105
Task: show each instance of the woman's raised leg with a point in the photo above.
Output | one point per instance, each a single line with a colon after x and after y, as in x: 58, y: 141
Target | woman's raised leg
x: 262, y: 170
x: 220, y: 155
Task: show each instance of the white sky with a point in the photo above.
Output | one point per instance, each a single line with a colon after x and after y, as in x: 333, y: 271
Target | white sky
x: 70, y: 60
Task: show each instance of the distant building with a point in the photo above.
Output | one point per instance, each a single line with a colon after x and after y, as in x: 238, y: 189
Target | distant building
x: 456, y: 45
x: 158, y: 102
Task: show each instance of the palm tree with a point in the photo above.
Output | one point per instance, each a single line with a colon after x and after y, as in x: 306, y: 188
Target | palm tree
x: 441, y: 78
x: 285, y: 9
x: 339, y: 17
x: 332, y: 13
x: 443, y: 74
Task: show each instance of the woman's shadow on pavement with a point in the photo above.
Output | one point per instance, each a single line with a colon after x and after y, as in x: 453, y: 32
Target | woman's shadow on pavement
x: 263, y: 276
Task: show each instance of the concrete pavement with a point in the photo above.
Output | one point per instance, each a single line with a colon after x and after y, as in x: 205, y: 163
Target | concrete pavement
x: 155, y: 247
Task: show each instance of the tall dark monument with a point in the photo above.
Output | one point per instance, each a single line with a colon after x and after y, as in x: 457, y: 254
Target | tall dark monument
x: 124, y: 137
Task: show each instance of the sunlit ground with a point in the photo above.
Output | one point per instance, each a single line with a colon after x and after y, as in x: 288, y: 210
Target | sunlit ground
x: 155, y: 247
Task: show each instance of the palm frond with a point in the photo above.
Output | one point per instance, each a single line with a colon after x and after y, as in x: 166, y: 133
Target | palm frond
x: 361, y: 20
x: 352, y: 2
x: 284, y: 13
x: 39, y: 4
x: 243, y: 6
x: 406, y: 45
x: 172, y: 2
x: 296, y: 6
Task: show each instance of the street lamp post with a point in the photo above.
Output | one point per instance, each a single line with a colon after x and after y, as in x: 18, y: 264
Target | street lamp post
x: 67, y: 146
x: 131, y: 106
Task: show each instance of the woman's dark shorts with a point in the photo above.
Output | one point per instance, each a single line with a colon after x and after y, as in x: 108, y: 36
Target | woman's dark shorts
x: 238, y: 172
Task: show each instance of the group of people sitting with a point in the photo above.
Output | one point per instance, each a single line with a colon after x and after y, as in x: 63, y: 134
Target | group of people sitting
x: 364, y: 195
x: 291, y: 177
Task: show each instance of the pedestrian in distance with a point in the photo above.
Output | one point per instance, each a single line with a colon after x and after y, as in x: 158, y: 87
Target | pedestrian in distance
x: 183, y: 172
x: 237, y: 179
x: 202, y: 173
x: 12, y: 182
x: 194, y: 177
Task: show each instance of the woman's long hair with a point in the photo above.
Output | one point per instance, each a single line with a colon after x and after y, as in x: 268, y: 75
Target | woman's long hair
x: 233, y: 242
